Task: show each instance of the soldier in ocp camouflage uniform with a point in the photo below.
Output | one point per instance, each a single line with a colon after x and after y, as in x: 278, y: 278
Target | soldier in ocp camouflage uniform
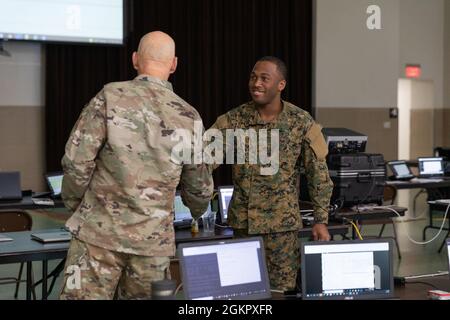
x: 267, y: 205
x: 120, y: 180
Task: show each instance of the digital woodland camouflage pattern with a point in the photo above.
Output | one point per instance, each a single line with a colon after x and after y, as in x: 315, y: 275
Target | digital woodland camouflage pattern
x: 120, y: 180
x: 100, y: 270
x: 282, y: 257
x: 268, y: 204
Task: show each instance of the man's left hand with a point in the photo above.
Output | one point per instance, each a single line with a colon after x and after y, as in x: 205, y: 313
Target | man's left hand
x: 320, y: 232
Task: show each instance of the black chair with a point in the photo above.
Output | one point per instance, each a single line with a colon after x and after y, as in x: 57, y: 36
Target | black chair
x: 15, y: 221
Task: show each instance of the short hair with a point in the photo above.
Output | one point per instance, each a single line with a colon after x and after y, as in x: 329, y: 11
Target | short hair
x: 281, y: 66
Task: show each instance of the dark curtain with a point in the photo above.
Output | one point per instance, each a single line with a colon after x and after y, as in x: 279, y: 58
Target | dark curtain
x: 218, y: 42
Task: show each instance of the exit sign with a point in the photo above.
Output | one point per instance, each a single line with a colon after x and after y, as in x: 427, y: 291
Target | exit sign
x: 413, y: 71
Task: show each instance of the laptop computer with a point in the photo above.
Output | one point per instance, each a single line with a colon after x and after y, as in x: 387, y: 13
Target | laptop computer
x: 233, y: 269
x: 225, y: 195
x: 448, y: 255
x: 347, y: 270
x: 10, y: 187
x: 432, y: 168
x: 54, y: 182
x: 50, y: 237
x: 400, y: 170
x: 183, y: 216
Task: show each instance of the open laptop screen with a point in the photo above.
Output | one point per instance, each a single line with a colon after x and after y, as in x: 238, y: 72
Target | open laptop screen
x: 54, y: 181
x: 225, y: 195
x: 431, y: 166
x: 448, y: 254
x: 347, y: 270
x: 400, y: 170
x: 182, y: 213
x: 232, y: 269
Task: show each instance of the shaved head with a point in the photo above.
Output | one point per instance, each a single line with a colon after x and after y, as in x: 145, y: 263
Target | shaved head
x: 156, y: 55
x: 157, y: 46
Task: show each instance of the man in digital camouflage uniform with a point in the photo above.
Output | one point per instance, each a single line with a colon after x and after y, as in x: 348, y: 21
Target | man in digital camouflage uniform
x: 267, y: 205
x: 120, y: 180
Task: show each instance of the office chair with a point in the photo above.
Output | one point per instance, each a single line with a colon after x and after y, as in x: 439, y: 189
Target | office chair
x: 15, y: 221
x: 389, y: 195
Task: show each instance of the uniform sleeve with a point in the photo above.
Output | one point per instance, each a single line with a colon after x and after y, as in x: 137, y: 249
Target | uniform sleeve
x: 85, y: 141
x: 197, y: 187
x: 320, y: 186
x: 218, y: 130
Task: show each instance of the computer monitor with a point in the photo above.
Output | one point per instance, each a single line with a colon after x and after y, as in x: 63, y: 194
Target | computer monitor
x: 225, y: 195
x: 233, y: 269
x: 347, y: 270
x: 10, y: 186
x: 400, y: 170
x: 431, y: 167
x: 54, y: 182
x: 183, y: 216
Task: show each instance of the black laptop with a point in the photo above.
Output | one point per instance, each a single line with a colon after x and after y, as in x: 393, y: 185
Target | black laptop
x: 233, y: 269
x: 10, y: 187
x: 347, y: 270
x: 225, y: 195
x: 400, y: 170
x: 432, y: 168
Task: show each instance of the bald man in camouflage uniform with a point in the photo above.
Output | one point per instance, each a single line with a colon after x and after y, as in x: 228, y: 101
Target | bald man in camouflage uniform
x: 267, y: 205
x: 120, y: 180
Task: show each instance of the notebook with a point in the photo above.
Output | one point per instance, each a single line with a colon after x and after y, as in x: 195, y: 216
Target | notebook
x: 233, y: 269
x: 225, y: 195
x: 54, y: 182
x: 431, y: 168
x: 347, y: 270
x: 49, y: 237
x: 10, y: 188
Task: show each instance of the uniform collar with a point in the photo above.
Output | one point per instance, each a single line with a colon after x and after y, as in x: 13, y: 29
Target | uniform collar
x: 163, y: 83
x: 255, y: 118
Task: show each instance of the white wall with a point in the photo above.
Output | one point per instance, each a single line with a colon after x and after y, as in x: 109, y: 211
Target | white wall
x: 22, y: 75
x: 422, y: 41
x: 447, y: 56
x: 356, y: 67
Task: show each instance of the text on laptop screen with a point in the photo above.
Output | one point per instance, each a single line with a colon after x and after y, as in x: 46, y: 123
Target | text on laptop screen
x: 225, y: 195
x: 431, y: 166
x: 231, y: 269
x: 55, y: 183
x: 347, y: 270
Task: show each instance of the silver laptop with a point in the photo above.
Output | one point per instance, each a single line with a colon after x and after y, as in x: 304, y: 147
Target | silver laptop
x: 49, y: 237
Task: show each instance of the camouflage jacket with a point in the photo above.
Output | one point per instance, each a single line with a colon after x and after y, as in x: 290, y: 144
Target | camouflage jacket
x: 270, y: 203
x: 119, y: 176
